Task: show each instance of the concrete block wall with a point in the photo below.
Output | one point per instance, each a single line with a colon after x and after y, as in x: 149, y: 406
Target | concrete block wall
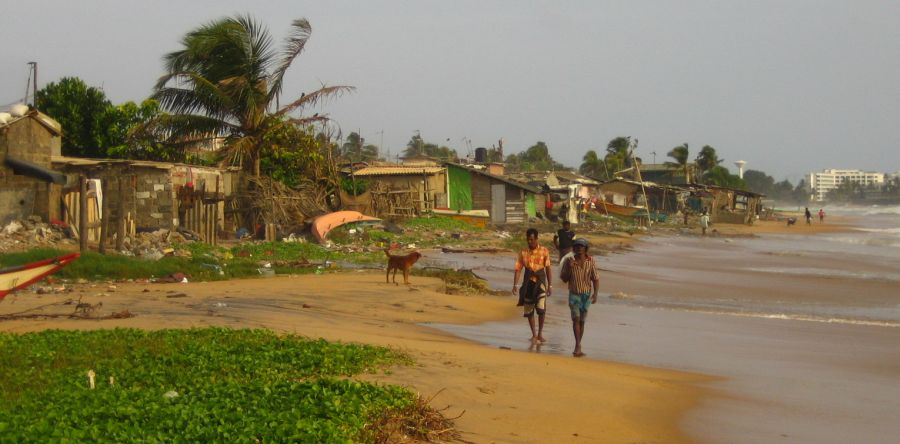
x: 21, y: 196
x: 154, y: 199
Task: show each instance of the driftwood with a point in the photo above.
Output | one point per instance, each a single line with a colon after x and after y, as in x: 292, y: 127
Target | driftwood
x: 475, y: 250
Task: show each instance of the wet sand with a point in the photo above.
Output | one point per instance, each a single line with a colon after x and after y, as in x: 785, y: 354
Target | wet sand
x: 803, y: 343
x: 502, y: 395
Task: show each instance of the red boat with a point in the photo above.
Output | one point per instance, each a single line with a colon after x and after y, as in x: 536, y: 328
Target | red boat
x: 20, y: 276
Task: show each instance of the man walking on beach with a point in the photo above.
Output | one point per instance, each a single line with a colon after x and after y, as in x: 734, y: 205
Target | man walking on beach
x: 704, y: 222
x: 821, y: 215
x: 562, y: 240
x: 581, y: 275
x: 535, y: 260
x: 808, y: 216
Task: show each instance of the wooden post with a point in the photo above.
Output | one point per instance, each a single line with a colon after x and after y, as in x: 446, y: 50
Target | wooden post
x: 104, y: 213
x: 82, y: 215
x: 120, y: 215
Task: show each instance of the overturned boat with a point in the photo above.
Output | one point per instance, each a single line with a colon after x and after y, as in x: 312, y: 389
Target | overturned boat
x: 21, y: 276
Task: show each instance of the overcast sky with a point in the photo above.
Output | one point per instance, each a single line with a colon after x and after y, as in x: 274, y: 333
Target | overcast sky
x: 788, y: 86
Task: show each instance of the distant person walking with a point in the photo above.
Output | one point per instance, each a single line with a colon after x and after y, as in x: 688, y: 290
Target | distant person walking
x: 581, y: 275
x: 704, y: 222
x: 536, y: 288
x: 563, y: 239
x: 808, y: 216
x: 821, y: 215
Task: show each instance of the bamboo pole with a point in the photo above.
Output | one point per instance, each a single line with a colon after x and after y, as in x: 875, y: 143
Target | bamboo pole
x: 104, y: 214
x: 82, y: 215
x: 120, y: 215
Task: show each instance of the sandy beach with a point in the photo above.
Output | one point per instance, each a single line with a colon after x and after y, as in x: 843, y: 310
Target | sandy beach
x: 798, y: 325
x: 674, y: 353
x: 502, y: 395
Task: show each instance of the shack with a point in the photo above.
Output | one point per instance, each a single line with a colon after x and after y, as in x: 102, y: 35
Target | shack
x: 506, y: 200
x: 150, y: 195
x: 397, y: 190
x: 624, y: 197
x: 28, y: 186
x: 726, y: 205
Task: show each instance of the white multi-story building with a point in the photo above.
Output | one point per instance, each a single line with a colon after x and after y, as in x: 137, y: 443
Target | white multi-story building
x: 826, y: 180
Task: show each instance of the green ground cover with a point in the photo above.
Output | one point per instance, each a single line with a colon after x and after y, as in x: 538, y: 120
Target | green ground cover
x: 231, y: 385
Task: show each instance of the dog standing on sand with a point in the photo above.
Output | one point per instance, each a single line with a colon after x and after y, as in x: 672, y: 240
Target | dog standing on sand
x: 404, y: 263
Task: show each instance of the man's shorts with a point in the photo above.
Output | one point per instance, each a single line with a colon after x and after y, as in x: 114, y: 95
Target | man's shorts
x: 579, y: 303
x: 540, y: 306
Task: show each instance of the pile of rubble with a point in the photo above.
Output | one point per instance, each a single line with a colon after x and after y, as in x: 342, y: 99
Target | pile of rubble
x: 154, y: 245
x: 20, y: 235
x: 23, y: 235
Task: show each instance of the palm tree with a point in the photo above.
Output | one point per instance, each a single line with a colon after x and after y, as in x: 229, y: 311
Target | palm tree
x: 356, y: 150
x: 227, y: 81
x: 707, y: 159
x: 618, y: 153
x: 680, y: 154
x: 592, y: 165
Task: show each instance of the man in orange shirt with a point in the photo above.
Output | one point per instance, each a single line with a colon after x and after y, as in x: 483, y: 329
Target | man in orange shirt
x: 535, y: 260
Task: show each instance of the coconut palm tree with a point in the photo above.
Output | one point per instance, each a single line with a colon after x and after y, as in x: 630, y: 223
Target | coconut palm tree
x: 707, y: 159
x: 592, y: 165
x: 680, y: 154
x: 227, y: 82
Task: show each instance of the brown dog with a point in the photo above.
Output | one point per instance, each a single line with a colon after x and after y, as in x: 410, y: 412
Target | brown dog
x: 400, y: 263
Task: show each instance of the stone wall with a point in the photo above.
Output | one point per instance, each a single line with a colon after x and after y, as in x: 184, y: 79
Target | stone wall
x: 20, y: 196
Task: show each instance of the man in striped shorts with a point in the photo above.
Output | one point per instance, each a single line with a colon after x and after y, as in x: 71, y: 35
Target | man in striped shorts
x: 581, y: 275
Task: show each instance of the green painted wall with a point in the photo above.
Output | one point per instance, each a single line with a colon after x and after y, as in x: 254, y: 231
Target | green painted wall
x: 460, y: 188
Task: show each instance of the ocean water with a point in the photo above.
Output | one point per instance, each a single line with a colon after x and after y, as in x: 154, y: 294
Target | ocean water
x: 804, y: 329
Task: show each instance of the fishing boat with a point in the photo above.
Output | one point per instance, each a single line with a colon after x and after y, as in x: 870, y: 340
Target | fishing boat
x: 622, y: 210
x: 323, y: 224
x: 20, y: 276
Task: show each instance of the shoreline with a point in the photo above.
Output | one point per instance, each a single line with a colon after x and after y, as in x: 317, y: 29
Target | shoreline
x: 498, y: 392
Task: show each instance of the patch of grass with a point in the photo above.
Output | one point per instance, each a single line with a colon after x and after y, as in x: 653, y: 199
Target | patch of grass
x: 438, y: 223
x: 203, y: 264
x: 198, y: 385
x: 93, y: 266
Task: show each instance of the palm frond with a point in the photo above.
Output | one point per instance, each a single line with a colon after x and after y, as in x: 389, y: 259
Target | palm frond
x: 294, y: 45
x: 315, y: 97
x: 180, y: 129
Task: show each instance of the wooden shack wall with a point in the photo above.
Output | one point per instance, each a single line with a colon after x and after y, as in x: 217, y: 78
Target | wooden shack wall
x: 481, y: 192
x: 431, y: 187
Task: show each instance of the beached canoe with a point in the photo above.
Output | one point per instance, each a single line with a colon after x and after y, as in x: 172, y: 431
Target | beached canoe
x: 20, y: 276
x: 622, y: 210
x: 323, y: 224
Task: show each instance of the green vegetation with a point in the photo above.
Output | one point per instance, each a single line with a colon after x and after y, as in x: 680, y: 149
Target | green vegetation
x: 198, y: 385
x: 201, y: 262
x: 439, y: 223
x: 234, y: 94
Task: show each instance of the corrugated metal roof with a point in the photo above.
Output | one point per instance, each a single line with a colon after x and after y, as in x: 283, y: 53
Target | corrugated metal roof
x: 86, y: 162
x: 396, y: 170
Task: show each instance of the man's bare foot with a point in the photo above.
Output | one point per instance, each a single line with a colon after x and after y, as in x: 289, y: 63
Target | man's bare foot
x: 541, y: 339
x: 577, y: 354
x: 535, y: 340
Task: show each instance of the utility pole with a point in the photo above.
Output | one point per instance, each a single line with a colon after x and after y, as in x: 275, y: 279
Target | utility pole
x: 34, y: 76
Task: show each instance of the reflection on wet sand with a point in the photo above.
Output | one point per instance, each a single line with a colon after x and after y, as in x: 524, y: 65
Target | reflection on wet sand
x: 739, y: 309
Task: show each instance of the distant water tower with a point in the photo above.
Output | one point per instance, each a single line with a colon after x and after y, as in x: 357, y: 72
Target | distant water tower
x: 740, y: 166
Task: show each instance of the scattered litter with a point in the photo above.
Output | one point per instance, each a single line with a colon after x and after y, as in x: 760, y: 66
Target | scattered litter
x: 171, y: 394
x: 307, y: 306
x: 91, y: 375
x: 176, y: 295
x: 503, y: 347
x: 220, y: 305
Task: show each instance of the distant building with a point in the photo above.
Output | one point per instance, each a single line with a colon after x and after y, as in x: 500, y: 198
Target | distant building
x: 822, y: 182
